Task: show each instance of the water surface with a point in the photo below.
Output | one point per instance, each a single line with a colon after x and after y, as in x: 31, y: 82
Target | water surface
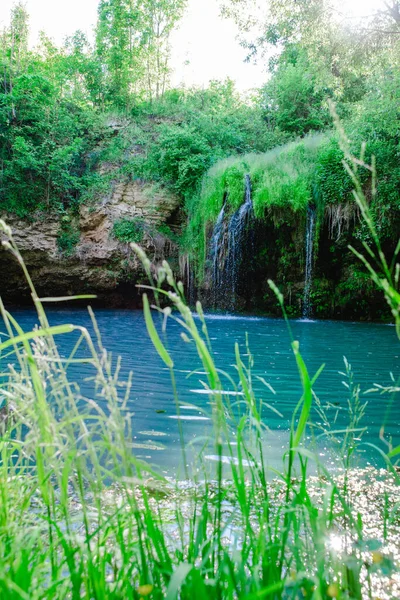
x: 372, y: 349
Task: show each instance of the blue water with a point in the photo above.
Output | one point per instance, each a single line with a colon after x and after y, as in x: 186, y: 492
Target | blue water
x: 372, y: 349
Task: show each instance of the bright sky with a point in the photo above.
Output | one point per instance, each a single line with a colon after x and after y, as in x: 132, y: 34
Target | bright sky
x: 205, y: 41
x: 208, y: 42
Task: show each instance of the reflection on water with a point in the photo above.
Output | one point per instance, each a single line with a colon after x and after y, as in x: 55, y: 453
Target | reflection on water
x: 372, y: 350
x: 374, y: 500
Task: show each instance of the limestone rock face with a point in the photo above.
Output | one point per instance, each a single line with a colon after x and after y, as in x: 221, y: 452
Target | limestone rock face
x: 98, y: 263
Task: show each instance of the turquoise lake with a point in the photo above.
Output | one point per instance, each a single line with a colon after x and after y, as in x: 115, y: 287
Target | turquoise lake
x: 372, y: 349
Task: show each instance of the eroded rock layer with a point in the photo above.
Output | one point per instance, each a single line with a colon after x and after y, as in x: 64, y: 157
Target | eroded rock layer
x: 98, y: 263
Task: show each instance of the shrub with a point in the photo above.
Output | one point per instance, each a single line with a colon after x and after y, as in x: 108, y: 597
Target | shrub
x: 68, y: 237
x: 129, y: 230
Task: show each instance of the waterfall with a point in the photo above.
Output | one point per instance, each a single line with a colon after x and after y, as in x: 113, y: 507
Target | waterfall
x: 237, y: 230
x: 216, y: 244
x: 310, y: 234
x: 227, y: 245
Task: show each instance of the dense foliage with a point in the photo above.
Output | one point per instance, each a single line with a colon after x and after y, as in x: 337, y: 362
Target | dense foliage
x: 192, y: 130
x: 46, y: 132
x: 59, y: 108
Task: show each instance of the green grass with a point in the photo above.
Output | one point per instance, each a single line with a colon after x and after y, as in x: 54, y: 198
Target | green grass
x: 82, y: 517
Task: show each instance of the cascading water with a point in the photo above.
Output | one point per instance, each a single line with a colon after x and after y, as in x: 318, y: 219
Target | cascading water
x: 310, y: 234
x: 237, y: 229
x: 227, y: 245
x: 216, y: 243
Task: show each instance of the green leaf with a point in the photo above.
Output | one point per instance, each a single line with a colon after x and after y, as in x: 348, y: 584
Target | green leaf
x: 177, y: 580
x: 274, y: 587
x: 307, y: 394
x: 155, y: 338
x: 67, y: 298
x: 57, y: 330
x: 394, y: 452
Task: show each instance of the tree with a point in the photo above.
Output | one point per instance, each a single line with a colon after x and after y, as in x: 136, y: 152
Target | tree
x: 339, y: 52
x: 133, y: 44
x: 293, y: 99
x: 119, y: 41
x: 14, y: 48
x: 160, y: 18
x: 47, y: 125
x: 17, y: 34
x: 313, y: 23
x: 84, y: 69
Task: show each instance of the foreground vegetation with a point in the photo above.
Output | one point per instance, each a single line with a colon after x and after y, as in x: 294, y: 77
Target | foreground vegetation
x: 82, y: 517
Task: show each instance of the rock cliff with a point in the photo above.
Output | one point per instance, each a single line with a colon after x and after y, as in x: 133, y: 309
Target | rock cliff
x: 97, y: 263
